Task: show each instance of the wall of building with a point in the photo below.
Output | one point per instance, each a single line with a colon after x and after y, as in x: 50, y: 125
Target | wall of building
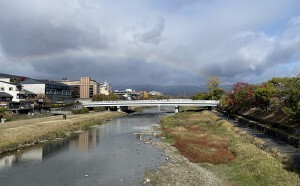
x: 10, y: 89
x: 5, y: 80
x: 104, y: 90
x: 35, y: 88
x: 58, y: 92
x: 85, y: 87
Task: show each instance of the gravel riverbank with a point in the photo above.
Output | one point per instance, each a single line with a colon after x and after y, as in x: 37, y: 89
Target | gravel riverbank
x: 178, y: 170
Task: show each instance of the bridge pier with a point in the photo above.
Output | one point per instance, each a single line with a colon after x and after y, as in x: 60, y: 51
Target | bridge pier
x: 176, y: 109
x: 119, y: 109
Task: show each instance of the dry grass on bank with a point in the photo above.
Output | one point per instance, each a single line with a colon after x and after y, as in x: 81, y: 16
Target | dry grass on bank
x: 272, y: 116
x: 17, y: 133
x: 202, y: 137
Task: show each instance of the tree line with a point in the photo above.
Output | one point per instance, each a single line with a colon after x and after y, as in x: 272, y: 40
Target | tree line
x: 279, y: 93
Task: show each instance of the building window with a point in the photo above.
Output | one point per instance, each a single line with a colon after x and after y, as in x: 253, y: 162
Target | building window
x: 10, y: 89
x: 2, y: 88
x: 91, y: 91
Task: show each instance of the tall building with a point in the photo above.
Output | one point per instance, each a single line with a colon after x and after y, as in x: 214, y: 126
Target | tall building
x: 86, y: 87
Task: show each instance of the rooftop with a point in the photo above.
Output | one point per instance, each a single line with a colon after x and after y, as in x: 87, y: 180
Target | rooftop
x: 43, y: 81
x: 4, y: 94
x: 11, y: 76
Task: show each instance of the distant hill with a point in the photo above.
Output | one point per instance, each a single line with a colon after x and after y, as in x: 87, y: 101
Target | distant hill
x: 179, y: 90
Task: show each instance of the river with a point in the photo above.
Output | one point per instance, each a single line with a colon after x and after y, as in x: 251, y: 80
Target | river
x: 111, y: 154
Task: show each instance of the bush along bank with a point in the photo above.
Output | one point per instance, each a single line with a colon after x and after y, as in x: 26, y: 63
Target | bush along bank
x: 20, y: 134
x: 80, y: 111
x: 214, y: 143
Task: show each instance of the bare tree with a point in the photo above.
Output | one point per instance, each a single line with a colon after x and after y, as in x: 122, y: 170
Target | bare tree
x: 212, y: 84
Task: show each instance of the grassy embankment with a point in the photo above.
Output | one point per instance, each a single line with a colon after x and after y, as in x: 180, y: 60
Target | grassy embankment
x: 216, y: 145
x: 27, y: 132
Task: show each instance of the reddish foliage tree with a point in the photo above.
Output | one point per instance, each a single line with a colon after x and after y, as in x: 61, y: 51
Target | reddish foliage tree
x: 241, y: 97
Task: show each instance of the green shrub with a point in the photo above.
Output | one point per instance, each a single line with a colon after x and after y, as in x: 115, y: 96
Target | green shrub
x: 98, y: 109
x: 81, y: 111
x: 2, y: 110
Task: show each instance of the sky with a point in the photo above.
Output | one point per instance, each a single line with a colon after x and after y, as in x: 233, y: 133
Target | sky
x: 169, y: 42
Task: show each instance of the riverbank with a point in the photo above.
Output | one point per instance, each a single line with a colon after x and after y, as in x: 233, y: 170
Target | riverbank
x: 276, y: 125
x: 24, y: 133
x: 217, y: 149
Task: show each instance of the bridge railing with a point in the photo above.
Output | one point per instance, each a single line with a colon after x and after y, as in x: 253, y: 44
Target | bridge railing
x: 151, y: 101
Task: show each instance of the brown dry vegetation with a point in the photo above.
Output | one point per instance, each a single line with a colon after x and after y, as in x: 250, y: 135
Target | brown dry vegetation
x: 202, y: 148
x: 197, y: 143
x: 272, y: 116
x: 19, y: 133
x: 224, y: 150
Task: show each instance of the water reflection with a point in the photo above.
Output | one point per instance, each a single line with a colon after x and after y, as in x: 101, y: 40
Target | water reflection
x: 85, y: 141
x: 88, y: 140
x: 51, y: 148
x: 7, y: 161
x: 26, y: 157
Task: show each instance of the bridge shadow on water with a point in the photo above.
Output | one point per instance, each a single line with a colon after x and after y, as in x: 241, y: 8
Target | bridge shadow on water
x: 141, y: 114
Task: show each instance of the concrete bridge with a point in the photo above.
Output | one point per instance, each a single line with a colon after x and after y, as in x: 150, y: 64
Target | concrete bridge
x: 167, y: 102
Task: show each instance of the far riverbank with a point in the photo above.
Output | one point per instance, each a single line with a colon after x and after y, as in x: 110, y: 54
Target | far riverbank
x: 24, y: 133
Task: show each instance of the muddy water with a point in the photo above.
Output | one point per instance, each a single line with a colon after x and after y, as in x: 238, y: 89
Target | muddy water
x: 112, y: 154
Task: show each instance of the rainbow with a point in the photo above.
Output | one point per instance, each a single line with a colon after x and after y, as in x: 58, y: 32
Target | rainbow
x: 116, y: 56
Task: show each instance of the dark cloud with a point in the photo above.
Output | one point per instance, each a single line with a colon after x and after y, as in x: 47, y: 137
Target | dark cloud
x: 157, y: 42
x: 116, y: 71
x: 30, y: 33
x: 153, y: 34
x: 22, y: 38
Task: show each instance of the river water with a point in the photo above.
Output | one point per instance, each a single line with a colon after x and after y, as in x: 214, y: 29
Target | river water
x: 111, y: 154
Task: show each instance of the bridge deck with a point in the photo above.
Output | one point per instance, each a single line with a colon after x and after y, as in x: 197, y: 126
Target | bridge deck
x: 171, y: 102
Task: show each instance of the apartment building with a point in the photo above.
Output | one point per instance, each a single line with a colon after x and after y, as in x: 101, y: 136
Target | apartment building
x: 55, y: 91
x: 86, y: 87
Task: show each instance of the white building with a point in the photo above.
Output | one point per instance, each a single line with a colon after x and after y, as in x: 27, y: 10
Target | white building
x: 155, y: 93
x: 105, y: 88
x: 14, y: 89
x: 12, y: 94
